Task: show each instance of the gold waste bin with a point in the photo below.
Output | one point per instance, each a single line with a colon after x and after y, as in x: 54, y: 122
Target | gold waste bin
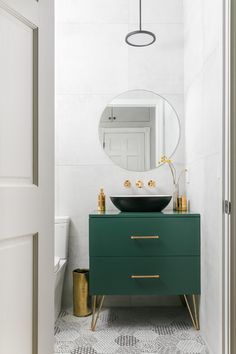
x: 81, y: 298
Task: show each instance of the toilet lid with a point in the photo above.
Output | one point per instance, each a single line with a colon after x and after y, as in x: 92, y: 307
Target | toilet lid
x: 56, y: 263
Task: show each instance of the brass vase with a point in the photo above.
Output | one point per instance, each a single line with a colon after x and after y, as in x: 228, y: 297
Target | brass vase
x: 81, y: 298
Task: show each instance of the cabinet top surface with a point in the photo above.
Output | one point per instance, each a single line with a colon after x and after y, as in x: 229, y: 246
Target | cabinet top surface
x: 163, y: 214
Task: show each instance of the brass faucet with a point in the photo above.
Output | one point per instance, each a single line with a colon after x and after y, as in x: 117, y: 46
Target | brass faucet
x: 127, y: 184
x: 139, y: 184
x: 151, y: 183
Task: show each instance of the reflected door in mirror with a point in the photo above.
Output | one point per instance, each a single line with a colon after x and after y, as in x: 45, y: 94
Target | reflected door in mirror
x: 128, y: 148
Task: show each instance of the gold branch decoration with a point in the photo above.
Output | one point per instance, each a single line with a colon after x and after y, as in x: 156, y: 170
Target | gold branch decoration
x: 164, y: 159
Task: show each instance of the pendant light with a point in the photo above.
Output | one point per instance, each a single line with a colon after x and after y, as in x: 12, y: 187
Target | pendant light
x: 140, y: 38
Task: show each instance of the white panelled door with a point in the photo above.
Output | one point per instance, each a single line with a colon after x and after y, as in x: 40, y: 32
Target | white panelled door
x: 128, y: 147
x: 26, y: 176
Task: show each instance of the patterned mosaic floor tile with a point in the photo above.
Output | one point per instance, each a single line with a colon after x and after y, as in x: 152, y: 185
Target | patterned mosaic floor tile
x: 129, y: 331
x: 84, y: 350
x: 64, y: 347
x: 146, y: 335
x: 190, y: 346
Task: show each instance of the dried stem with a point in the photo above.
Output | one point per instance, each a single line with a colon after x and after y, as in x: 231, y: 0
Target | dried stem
x: 173, y: 171
x: 164, y: 159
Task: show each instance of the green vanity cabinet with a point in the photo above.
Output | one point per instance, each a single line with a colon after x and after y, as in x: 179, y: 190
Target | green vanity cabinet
x: 144, y: 254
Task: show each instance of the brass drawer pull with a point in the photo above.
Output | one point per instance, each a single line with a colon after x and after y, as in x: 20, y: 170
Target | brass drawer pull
x: 144, y: 237
x: 145, y: 276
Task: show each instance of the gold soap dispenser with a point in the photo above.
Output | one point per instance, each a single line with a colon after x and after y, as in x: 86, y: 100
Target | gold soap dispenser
x: 101, y: 201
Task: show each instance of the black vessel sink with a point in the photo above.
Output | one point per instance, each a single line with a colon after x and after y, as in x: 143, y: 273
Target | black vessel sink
x: 141, y: 203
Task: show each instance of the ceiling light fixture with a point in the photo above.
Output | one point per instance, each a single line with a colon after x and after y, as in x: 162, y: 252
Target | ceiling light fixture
x: 140, y: 38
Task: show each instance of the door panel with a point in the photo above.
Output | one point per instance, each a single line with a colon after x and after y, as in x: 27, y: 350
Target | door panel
x: 17, y: 261
x: 131, y: 114
x: 26, y: 176
x: 127, y: 149
x: 25, y: 9
x: 17, y: 103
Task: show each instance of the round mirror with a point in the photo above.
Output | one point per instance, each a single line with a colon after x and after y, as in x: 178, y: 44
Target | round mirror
x: 137, y: 128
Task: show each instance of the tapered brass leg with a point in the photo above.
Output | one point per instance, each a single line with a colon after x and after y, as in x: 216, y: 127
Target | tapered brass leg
x: 194, y: 317
x: 95, y: 315
x: 195, y: 312
x: 94, y: 310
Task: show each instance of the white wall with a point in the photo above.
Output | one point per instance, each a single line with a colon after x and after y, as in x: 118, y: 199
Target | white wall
x: 93, y: 64
x: 203, y: 117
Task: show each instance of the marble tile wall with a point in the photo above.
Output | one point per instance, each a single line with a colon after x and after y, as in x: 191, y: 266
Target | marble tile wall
x: 203, y: 138
x: 93, y: 64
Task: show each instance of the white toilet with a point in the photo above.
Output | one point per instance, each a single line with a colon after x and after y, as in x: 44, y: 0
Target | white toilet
x: 60, y: 258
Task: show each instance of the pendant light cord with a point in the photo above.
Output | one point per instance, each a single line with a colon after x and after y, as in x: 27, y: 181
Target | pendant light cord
x: 140, y: 15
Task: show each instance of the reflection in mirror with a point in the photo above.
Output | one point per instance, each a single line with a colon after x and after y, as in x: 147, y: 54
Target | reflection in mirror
x: 137, y: 128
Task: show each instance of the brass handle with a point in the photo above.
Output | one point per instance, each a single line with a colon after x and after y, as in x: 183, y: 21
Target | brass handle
x: 145, y: 276
x: 144, y: 237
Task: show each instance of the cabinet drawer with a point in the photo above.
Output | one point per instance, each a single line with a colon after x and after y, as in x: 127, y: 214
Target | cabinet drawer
x: 113, y: 236
x: 112, y: 275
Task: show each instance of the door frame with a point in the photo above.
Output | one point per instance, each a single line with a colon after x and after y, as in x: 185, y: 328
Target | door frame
x: 229, y: 178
